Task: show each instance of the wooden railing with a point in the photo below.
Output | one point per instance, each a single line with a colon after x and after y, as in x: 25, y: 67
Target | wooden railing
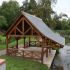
x: 32, y: 54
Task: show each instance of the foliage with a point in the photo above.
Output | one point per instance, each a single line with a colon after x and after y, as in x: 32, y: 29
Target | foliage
x: 3, y: 22
x: 9, y: 10
x: 42, y: 9
x: 65, y: 34
x: 2, y: 39
x: 29, y: 7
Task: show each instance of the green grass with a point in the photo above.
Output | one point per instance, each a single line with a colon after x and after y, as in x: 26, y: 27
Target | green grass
x: 2, y: 46
x: 2, y: 42
x: 18, y: 63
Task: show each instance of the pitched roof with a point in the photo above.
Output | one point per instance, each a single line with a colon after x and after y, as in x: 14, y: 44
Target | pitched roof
x: 44, y: 29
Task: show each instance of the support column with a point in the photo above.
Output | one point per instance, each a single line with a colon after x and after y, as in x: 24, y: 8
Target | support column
x: 29, y: 41
x: 24, y: 41
x: 16, y: 43
x: 7, y: 44
x: 42, y: 54
x: 46, y: 52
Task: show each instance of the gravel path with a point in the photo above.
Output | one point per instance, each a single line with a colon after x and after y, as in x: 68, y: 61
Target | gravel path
x: 2, y: 52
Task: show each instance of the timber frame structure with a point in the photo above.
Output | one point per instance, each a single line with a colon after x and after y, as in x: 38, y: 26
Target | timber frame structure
x: 23, y: 27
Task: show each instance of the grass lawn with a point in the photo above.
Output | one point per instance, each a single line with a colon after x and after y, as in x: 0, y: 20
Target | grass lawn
x: 18, y: 63
x: 2, y: 46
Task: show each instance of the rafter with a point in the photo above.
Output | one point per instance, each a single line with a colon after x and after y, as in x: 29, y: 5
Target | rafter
x: 15, y: 25
x: 15, y: 31
x: 28, y: 23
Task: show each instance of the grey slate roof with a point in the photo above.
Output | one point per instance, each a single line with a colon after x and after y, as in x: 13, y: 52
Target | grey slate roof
x: 44, y: 29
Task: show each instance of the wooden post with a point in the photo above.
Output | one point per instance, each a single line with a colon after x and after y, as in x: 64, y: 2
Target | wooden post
x: 23, y: 26
x: 29, y: 41
x: 46, y: 52
x: 42, y: 54
x: 32, y: 32
x: 7, y: 44
x: 24, y: 41
x: 16, y: 43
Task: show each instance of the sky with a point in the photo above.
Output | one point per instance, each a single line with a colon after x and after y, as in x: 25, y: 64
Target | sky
x: 61, y: 6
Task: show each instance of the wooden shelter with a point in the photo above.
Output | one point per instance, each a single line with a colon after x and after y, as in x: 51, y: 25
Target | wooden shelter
x: 30, y: 26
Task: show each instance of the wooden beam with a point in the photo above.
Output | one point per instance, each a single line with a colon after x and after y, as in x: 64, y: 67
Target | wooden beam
x: 15, y: 31
x: 28, y: 22
x: 15, y: 25
x: 16, y: 35
x: 24, y: 41
x: 29, y: 40
x: 42, y: 54
x: 32, y: 31
x: 37, y: 32
x: 7, y: 44
x: 20, y: 31
x: 27, y: 30
x: 16, y: 43
x: 23, y: 25
x: 32, y: 26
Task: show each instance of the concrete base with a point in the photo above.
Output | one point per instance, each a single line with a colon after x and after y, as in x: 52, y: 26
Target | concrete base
x: 48, y: 61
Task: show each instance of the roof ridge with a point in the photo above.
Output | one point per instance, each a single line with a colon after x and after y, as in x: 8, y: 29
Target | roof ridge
x: 30, y: 15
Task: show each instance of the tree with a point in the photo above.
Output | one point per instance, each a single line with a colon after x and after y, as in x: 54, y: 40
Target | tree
x: 29, y: 7
x: 9, y: 10
x: 59, y: 22
x: 42, y: 9
x: 25, y: 5
x: 3, y: 23
x: 65, y: 25
x: 45, y: 8
x: 32, y: 6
